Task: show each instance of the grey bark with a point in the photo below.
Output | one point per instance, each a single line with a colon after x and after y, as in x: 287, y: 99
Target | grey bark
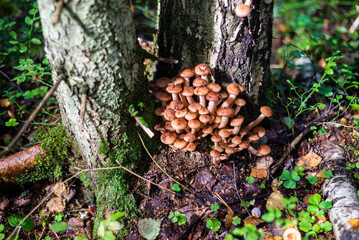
x: 340, y: 191
x: 237, y: 49
x: 94, y: 44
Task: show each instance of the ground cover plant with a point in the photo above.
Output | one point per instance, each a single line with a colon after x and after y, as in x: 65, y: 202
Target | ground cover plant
x: 175, y: 194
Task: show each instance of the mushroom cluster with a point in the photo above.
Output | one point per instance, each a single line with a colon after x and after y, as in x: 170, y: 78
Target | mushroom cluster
x: 192, y: 109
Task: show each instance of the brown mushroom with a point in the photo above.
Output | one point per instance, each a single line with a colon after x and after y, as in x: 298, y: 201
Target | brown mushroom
x: 224, y: 112
x: 181, y: 113
x: 174, y: 90
x: 199, y: 82
x: 206, y: 131
x: 179, y: 124
x: 265, y: 112
x: 261, y: 151
x: 213, y: 99
x: 188, y: 93
x: 169, y: 114
x: 233, y: 90
x: 239, y: 102
x: 260, y: 131
x: 215, y: 156
x: 292, y: 234
x: 194, y: 125
x: 242, y: 10
x: 191, y: 115
x: 189, y: 137
x: 163, y: 97
x: 168, y: 137
x: 201, y: 92
x: 236, y: 123
x: 194, y: 107
x: 191, y: 147
x: 159, y: 111
x: 202, y: 70
x: 180, y: 144
x: 216, y: 139
x: 176, y: 105
x: 186, y: 74
x: 163, y: 82
x: 214, y: 87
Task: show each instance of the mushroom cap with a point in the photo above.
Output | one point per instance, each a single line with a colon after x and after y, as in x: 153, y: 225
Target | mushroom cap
x: 263, y: 150
x: 179, y: 123
x: 203, y: 110
x: 181, y: 113
x: 186, y: 73
x: 230, y: 150
x: 225, y: 112
x: 253, y: 137
x: 214, y: 87
x: 160, y: 126
x: 266, y: 111
x: 188, y: 91
x: 260, y: 131
x: 191, y: 147
x: 201, y: 91
x: 219, y: 149
x: 240, y: 102
x: 215, y: 138
x: 163, y: 96
x: 224, y: 133
x: 204, y: 118
x: 202, y: 69
x: 199, y: 82
x: 223, y: 95
x: 233, y: 89
x: 178, y: 80
x: 236, y: 140
x: 217, y: 120
x: 207, y: 130
x: 152, y: 85
x: 237, y: 121
x: 191, y: 115
x: 180, y: 143
x: 194, y: 124
x: 212, y: 96
x: 243, y: 144
x: 163, y: 82
x: 159, y: 111
x: 173, y: 88
x: 169, y: 127
x: 292, y: 234
x: 169, y: 114
x: 168, y: 137
x: 194, y: 107
x: 242, y: 10
x: 176, y: 105
x: 189, y: 137
x: 215, y: 154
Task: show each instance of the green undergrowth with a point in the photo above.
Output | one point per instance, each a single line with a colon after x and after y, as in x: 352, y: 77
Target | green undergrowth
x: 57, y: 145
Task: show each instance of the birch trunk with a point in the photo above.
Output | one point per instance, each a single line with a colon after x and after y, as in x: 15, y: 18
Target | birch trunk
x: 340, y: 191
x: 237, y: 49
x: 94, y: 45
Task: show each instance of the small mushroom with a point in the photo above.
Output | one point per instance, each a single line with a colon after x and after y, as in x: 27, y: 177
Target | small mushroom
x: 163, y: 82
x: 194, y: 107
x: 216, y: 139
x: 176, y: 105
x: 261, y: 151
x: 169, y: 114
x: 201, y: 92
x: 212, y: 98
x: 214, y: 87
x: 236, y: 123
x: 186, y: 74
x: 265, y: 112
x: 206, y: 131
x: 174, y: 90
x: 168, y: 137
x: 163, y: 97
x: 204, y: 119
x: 191, y: 147
x: 215, y: 156
x: 159, y: 111
x: 233, y: 90
x: 179, y: 124
x: 180, y: 144
x: 239, y: 102
x: 181, y: 113
x: 243, y: 10
x: 194, y: 125
x: 260, y: 131
x: 189, y: 137
x: 292, y: 234
x: 202, y: 70
x: 191, y: 115
x: 224, y: 112
x: 188, y: 93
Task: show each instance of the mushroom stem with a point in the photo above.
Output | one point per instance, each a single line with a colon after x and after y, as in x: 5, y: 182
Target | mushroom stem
x: 265, y: 112
x: 223, y: 122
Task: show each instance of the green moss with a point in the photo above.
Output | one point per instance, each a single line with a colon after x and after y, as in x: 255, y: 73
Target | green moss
x: 57, y: 145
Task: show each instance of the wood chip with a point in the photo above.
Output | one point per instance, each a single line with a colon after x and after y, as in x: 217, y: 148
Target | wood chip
x: 259, y: 173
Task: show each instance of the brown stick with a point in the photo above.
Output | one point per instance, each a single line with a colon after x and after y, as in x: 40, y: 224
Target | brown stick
x: 19, y: 162
x: 33, y: 115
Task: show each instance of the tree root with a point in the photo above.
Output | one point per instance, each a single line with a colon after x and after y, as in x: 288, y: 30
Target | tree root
x: 340, y: 191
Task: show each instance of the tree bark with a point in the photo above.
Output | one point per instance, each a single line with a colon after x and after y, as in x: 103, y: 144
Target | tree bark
x: 340, y: 191
x: 237, y: 49
x: 94, y: 45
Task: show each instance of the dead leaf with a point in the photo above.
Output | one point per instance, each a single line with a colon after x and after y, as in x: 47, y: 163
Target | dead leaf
x: 309, y: 160
x: 354, y: 223
x: 259, y: 173
x: 229, y: 219
x: 275, y: 184
x: 355, y: 133
x: 274, y: 201
x: 60, y: 189
x: 56, y: 204
x: 11, y: 113
x: 4, y: 102
x: 306, y: 198
x: 264, y: 162
x: 250, y: 220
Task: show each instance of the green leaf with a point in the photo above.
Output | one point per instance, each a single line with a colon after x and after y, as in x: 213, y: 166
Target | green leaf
x: 312, y: 209
x: 214, y: 207
x: 13, y: 35
x: 79, y: 238
x: 182, y: 219
x: 294, y: 176
x: 289, y: 184
x: 209, y: 223
x: 149, y: 228
x: 250, y: 179
x: 285, y: 175
x: 2, y: 227
x: 109, y: 236
x: 236, y: 221
x: 115, y: 226
x: 289, y: 122
x: 316, y: 228
x: 11, y: 123
x: 176, y: 187
x: 58, y: 226
x: 268, y: 217
x: 33, y: 11
x: 28, y: 20
x: 326, y: 205
x: 327, y: 226
x: 327, y: 173
x: 315, y: 199
x: 35, y: 41
x: 312, y: 179
x: 2, y: 236
x: 116, y: 216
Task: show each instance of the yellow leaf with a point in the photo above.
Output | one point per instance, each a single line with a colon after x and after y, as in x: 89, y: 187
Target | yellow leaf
x: 309, y: 160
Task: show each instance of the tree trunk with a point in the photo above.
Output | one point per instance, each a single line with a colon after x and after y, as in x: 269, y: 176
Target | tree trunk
x: 94, y: 45
x: 339, y: 190
x: 237, y: 49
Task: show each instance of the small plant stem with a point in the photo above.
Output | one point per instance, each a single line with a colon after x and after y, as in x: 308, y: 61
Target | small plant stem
x: 146, y: 129
x: 149, y: 154
x: 33, y: 115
